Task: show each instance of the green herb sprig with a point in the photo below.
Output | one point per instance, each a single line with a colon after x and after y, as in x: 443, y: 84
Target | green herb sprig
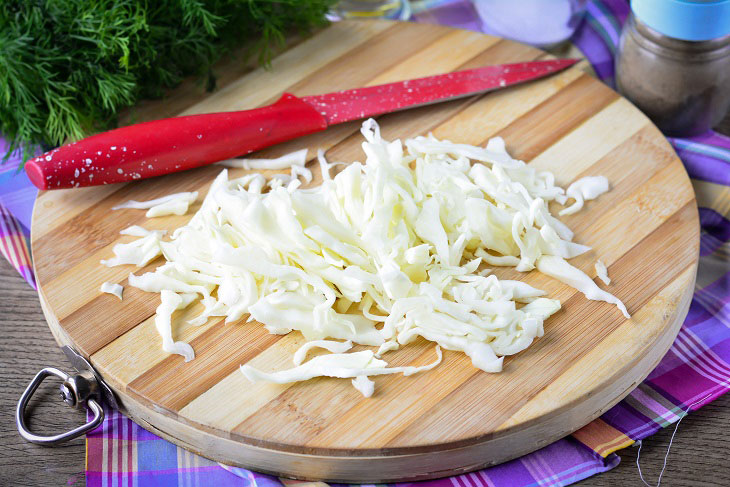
x: 67, y: 67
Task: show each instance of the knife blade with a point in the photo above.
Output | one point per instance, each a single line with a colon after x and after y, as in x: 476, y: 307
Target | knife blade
x: 174, y: 144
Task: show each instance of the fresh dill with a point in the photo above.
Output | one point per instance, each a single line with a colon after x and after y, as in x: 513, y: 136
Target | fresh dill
x: 67, y: 67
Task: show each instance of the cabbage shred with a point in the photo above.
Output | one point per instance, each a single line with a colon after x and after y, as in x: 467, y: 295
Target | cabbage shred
x: 380, y: 254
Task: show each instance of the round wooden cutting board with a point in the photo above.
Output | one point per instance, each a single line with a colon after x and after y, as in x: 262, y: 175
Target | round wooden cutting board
x: 454, y: 418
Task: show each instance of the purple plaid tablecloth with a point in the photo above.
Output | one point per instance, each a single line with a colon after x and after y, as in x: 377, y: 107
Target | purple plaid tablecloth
x: 695, y: 371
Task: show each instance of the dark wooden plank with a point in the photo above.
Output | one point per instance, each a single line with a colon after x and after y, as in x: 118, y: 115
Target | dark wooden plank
x: 26, y: 346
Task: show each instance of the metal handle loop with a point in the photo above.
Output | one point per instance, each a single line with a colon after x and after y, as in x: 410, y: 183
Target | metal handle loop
x: 90, y: 402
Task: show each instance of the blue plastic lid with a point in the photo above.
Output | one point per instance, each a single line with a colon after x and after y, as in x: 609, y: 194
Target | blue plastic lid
x: 689, y: 20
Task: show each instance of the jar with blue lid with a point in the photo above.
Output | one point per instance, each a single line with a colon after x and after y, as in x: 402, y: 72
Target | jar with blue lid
x: 674, y: 62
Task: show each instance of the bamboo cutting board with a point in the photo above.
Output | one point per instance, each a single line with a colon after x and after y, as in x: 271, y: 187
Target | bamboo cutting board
x: 454, y: 418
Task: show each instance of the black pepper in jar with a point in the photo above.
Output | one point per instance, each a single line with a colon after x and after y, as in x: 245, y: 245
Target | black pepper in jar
x: 674, y: 63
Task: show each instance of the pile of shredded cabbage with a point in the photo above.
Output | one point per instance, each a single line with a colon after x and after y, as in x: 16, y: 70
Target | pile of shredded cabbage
x: 378, y: 255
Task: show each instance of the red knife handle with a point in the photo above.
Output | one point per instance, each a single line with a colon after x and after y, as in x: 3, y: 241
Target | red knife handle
x: 173, y: 144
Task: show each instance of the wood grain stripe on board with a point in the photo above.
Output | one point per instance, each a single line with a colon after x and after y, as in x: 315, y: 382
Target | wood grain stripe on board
x: 643, y: 147
x: 489, y: 51
x: 225, y: 405
x: 337, y: 402
x: 106, y: 318
x: 595, y: 137
x: 140, y: 349
x: 98, y: 226
x: 649, y: 211
x: 574, y: 104
x: 388, y: 405
x: 487, y: 116
x: 455, y: 50
x: 631, y: 338
x: 219, y: 350
x: 582, y: 326
x: 59, y: 206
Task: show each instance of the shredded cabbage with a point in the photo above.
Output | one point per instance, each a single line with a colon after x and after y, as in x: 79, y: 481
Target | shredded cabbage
x: 137, y: 231
x: 341, y: 365
x: 296, y: 158
x: 364, y: 386
x: 112, y: 288
x: 330, y: 345
x: 169, y: 303
x: 138, y: 252
x: 172, y: 204
x: 558, y: 268
x: 602, y: 272
x: 379, y: 254
x: 584, y: 189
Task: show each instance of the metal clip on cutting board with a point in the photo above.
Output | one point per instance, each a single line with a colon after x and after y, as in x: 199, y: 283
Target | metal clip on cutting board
x: 85, y: 389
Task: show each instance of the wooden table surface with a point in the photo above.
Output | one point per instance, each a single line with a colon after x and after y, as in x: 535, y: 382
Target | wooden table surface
x: 698, y: 456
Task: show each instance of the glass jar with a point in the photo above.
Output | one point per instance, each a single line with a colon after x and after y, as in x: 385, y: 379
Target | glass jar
x: 541, y: 23
x: 368, y: 9
x: 682, y: 85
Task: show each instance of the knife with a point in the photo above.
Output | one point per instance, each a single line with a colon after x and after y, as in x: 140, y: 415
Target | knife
x: 174, y: 144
